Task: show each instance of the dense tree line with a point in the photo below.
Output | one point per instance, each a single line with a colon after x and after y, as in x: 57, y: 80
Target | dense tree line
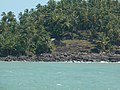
x: 95, y: 20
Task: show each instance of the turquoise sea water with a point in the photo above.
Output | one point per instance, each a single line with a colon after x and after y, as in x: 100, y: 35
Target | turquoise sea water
x: 59, y: 76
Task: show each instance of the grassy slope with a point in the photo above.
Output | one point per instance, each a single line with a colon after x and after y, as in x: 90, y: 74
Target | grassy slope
x: 74, y: 46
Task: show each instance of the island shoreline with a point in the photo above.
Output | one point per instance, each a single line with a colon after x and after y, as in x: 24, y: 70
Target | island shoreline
x: 64, y: 57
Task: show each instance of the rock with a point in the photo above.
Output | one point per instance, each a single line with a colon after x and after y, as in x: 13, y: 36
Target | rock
x: 67, y: 56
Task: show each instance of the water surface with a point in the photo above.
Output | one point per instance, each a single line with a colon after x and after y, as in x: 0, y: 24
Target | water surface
x: 59, y: 76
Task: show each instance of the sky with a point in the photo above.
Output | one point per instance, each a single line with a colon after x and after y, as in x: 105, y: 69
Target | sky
x: 17, y: 6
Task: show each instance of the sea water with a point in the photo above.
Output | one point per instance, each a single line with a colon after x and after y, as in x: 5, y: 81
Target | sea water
x: 59, y: 76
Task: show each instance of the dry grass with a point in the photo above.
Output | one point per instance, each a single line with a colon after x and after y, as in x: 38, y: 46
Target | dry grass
x: 75, y: 46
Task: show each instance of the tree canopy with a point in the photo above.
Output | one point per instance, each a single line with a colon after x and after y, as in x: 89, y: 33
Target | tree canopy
x: 95, y: 20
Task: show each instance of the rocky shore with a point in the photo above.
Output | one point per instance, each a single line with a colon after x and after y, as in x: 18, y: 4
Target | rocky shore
x: 66, y: 57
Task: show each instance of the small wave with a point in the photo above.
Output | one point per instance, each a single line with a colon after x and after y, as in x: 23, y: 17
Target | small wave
x: 100, y: 72
x: 59, y: 72
x: 59, y: 84
x: 103, y: 62
x: 118, y: 62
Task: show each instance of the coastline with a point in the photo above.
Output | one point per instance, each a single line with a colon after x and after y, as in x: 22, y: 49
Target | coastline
x: 65, y: 57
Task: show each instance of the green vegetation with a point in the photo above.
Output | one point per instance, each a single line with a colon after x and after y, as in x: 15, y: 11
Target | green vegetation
x: 75, y: 46
x: 96, y: 21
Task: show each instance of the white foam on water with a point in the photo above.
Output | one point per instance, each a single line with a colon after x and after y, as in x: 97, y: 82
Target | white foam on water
x: 100, y: 72
x: 10, y: 71
x: 88, y: 62
x: 103, y: 62
x: 118, y: 62
x: 59, y: 72
x: 59, y: 84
